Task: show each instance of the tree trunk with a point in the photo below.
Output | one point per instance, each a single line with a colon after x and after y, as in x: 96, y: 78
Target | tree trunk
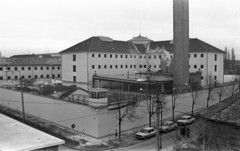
x: 119, y: 129
x: 220, y: 98
x: 119, y: 121
x: 150, y: 119
x: 207, y: 101
x: 173, y: 113
x: 150, y: 113
x: 193, y: 107
x: 209, y: 93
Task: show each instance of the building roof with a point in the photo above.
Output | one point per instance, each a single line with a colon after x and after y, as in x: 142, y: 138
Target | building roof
x: 135, y: 79
x: 45, y: 55
x: 17, y: 136
x: 226, y: 111
x: 3, y: 61
x: 106, y: 44
x: 31, y: 56
x: 100, y: 44
x: 30, y: 61
x: 195, y: 45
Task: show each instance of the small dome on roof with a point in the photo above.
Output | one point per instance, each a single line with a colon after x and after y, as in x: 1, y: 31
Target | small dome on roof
x: 140, y: 40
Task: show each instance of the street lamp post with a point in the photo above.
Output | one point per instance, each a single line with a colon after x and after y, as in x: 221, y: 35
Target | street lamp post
x: 22, y: 98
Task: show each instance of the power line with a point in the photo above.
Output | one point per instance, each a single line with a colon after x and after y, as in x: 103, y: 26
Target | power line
x: 33, y: 102
x: 80, y: 117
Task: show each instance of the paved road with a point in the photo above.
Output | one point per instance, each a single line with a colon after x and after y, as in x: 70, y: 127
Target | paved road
x: 168, y: 140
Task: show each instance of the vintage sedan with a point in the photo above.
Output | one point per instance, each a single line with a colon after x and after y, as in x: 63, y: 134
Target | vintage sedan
x: 168, y: 126
x: 146, y: 132
x: 185, y: 120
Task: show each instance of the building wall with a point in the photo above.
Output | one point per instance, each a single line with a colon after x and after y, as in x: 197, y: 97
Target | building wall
x: 81, y: 72
x: 41, y: 71
x: 101, y: 62
x: 206, y: 62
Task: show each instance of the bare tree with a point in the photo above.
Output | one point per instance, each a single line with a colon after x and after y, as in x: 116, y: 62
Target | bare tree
x: 126, y: 111
x: 210, y: 82
x: 233, y: 88
x: 220, y: 91
x: 195, y: 94
x: 151, y: 108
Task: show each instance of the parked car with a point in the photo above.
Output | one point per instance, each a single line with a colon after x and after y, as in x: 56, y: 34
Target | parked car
x: 184, y: 120
x: 146, y: 132
x: 168, y: 126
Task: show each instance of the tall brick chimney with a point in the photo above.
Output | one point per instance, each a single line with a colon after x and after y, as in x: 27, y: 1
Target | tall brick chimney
x: 181, y: 42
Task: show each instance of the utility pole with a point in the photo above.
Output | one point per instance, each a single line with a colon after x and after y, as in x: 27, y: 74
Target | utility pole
x: 23, y: 111
x: 20, y: 79
x: 160, y: 146
x: 157, y: 125
x: 158, y: 134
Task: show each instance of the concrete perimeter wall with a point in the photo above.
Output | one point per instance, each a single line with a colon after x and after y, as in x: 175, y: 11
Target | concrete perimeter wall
x: 93, y: 122
x: 57, y: 111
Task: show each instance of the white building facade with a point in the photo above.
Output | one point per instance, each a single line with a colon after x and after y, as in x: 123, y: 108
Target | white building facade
x: 104, y: 56
x: 26, y: 68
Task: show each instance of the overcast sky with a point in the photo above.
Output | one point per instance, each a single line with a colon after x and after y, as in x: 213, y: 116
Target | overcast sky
x: 40, y: 26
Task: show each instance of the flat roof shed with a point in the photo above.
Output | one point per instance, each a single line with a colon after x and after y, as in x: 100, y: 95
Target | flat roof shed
x: 16, y: 136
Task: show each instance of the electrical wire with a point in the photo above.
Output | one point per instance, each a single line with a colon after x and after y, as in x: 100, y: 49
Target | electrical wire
x: 80, y: 117
x: 34, y: 102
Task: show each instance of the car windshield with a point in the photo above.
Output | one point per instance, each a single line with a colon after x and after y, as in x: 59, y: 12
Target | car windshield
x: 183, y: 118
x: 165, y: 124
x: 144, y: 131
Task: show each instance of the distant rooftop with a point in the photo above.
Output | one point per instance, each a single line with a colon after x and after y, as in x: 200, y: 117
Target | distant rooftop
x: 46, y: 55
x: 29, y: 61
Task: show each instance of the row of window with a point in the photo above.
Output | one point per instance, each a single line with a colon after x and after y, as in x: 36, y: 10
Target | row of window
x: 134, y: 66
x: 122, y: 66
x: 116, y: 66
x: 140, y: 56
x: 202, y: 56
x: 36, y: 76
x: 29, y: 68
x: 122, y: 56
x: 202, y: 66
